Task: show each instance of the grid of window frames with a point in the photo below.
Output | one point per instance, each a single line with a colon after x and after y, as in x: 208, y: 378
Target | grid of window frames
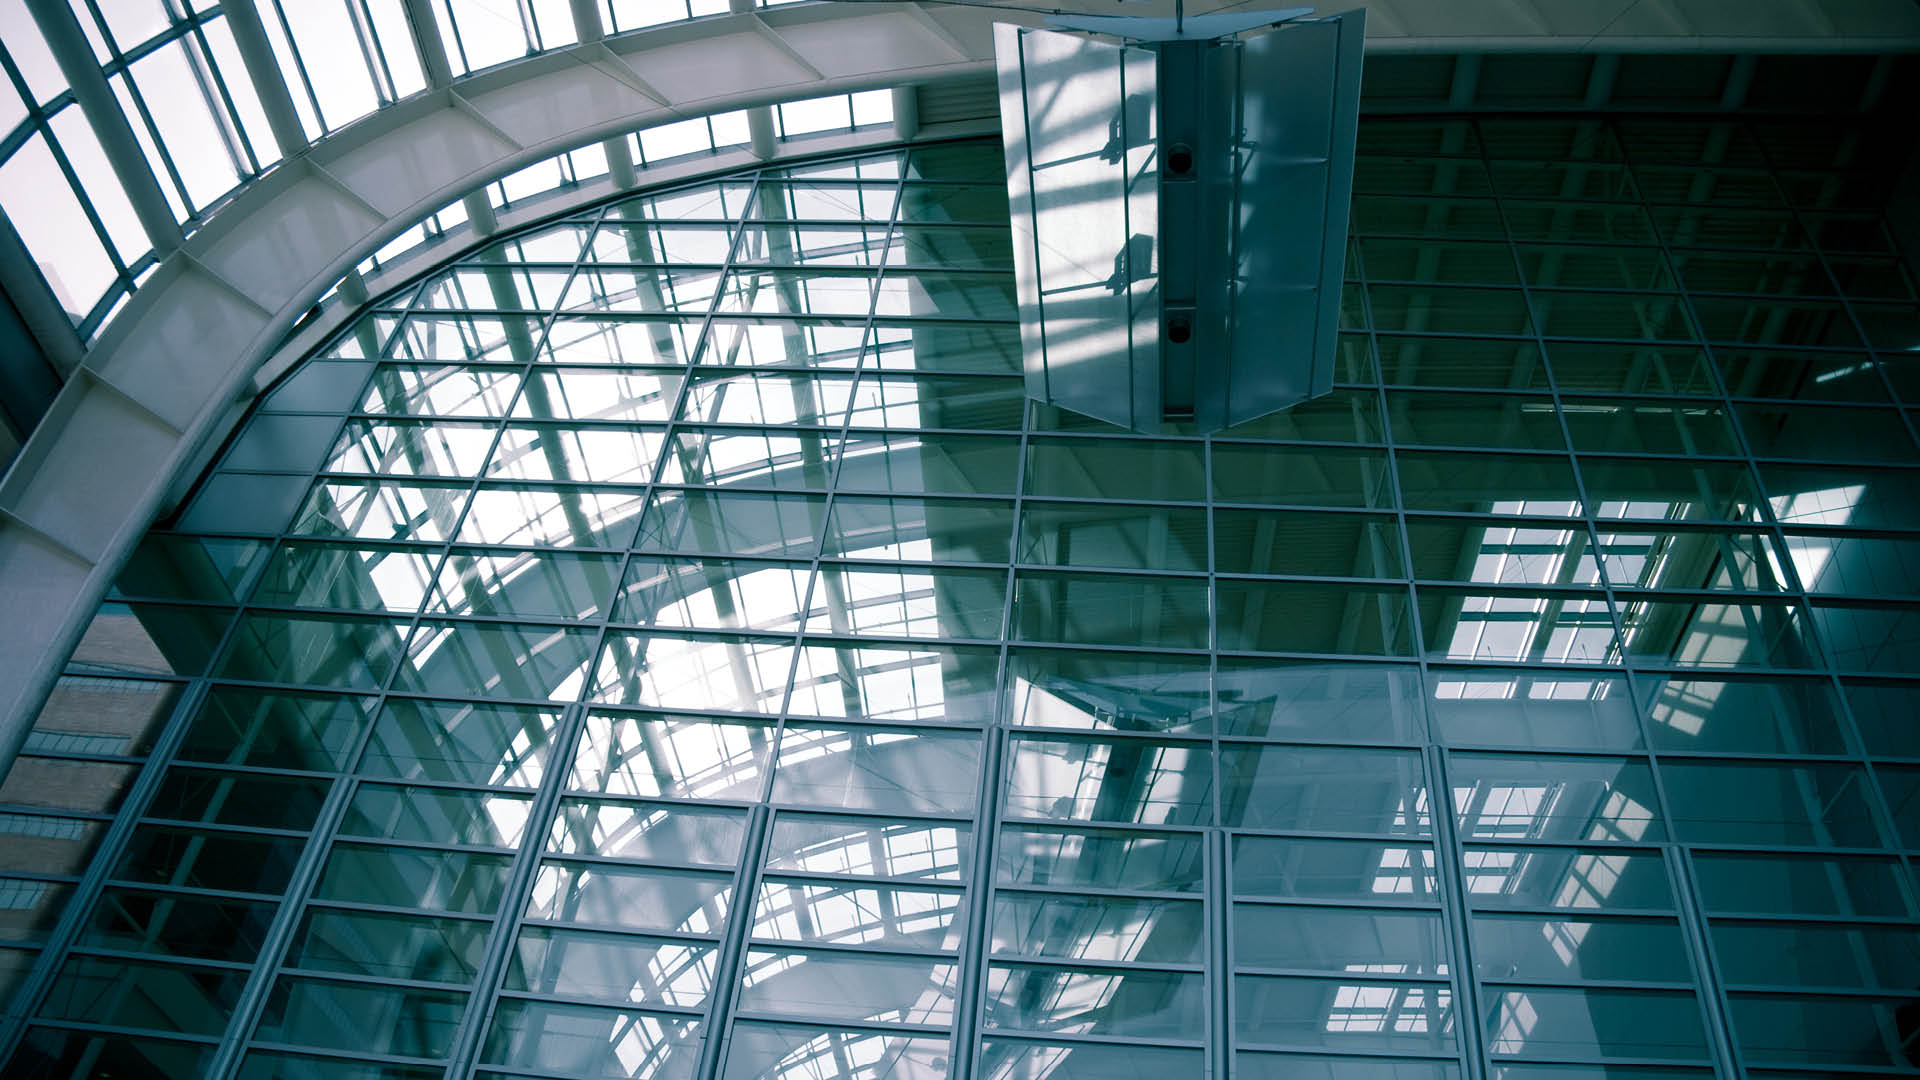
x: 178, y: 77
x: 667, y: 643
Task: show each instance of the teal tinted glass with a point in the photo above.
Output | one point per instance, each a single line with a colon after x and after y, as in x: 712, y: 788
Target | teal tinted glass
x: 668, y: 643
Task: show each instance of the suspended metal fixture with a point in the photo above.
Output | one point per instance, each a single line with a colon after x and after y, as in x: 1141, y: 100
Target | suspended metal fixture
x: 1179, y: 190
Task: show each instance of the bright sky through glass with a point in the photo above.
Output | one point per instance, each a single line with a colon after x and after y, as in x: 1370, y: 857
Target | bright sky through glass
x: 178, y: 78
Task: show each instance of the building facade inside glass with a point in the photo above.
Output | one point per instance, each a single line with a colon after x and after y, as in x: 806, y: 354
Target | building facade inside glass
x: 666, y: 643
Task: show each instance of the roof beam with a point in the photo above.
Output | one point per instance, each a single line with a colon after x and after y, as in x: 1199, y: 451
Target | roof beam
x: 263, y: 71
x: 427, y: 43
x: 96, y: 99
x: 26, y: 288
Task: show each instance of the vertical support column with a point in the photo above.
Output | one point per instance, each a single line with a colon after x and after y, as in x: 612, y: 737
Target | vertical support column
x: 588, y: 27
x: 263, y: 71
x: 906, y: 112
x: 760, y: 137
x: 760, y: 131
x: 68, y: 43
x: 480, y: 212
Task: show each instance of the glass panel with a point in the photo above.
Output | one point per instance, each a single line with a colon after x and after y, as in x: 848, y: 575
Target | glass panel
x: 353, y: 578
x: 610, y: 455
x: 389, y: 946
x: 1312, y: 618
x: 1594, y: 1022
x: 1123, y: 780
x: 892, y: 601
x: 1569, y: 878
x: 1100, y: 858
x: 1338, y: 940
x: 1561, y: 798
x: 1764, y: 803
x: 601, y: 1044
x: 679, y: 757
x: 885, y: 769
x: 1316, y: 869
x: 356, y: 1016
x: 1323, y: 788
x: 648, y: 832
x: 435, y: 815
x: 947, y: 684
x: 761, y: 1049
x: 496, y: 660
x: 612, y: 967
x: 1111, y: 610
x: 224, y: 798
x: 632, y: 898
x: 390, y: 448
x: 738, y: 674
x: 1783, y: 884
x: 1136, y: 1002
x: 818, y: 913
x: 1121, y: 537
x: 460, y: 742
x: 1579, y: 950
x: 845, y: 986
x: 1131, y: 692
x: 827, y: 844
x: 169, y: 924
x: 411, y: 878
x: 1344, y: 1014
x: 1498, y: 707
x: 136, y: 994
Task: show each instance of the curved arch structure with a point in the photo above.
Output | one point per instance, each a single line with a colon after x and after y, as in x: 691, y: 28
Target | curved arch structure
x: 158, y: 383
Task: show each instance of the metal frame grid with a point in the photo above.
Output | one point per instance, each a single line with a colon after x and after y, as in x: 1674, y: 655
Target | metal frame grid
x: 1159, y: 806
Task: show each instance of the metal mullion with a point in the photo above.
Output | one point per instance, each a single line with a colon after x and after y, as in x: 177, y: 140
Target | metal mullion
x: 851, y: 948
x: 359, y: 907
x: 1071, y: 1038
x: 139, y: 100
x: 730, y: 951
x: 355, y: 1056
x: 484, y: 988
x: 1878, y: 804
x: 198, y: 962
x: 581, y: 858
x: 112, y: 843
x: 383, y: 84
x: 1384, y: 905
x: 1449, y: 858
x: 731, y: 971
x: 42, y: 123
x: 206, y: 74
x: 465, y: 1043
x: 115, y: 1032
x: 325, y: 832
x: 1694, y: 921
x: 825, y: 877
x: 322, y: 839
x: 686, y: 1012
x: 1032, y: 889
x: 299, y: 65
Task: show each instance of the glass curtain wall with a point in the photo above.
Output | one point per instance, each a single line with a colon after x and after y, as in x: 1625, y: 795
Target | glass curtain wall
x: 667, y: 643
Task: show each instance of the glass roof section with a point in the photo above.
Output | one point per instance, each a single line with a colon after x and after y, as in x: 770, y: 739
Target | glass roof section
x: 177, y: 76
